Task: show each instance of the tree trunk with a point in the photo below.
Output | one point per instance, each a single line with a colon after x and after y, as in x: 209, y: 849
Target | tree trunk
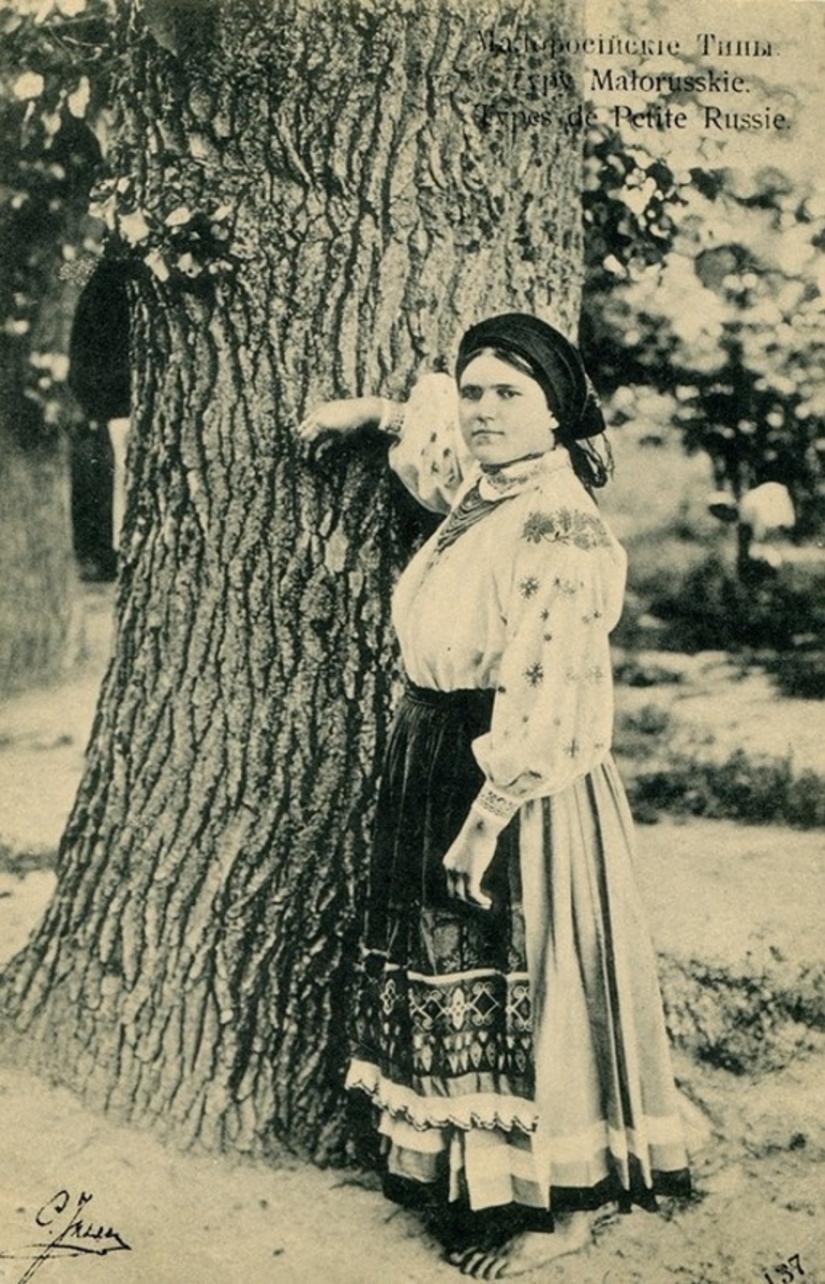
x: 38, y: 619
x: 39, y: 610
x: 337, y: 218
x: 45, y: 175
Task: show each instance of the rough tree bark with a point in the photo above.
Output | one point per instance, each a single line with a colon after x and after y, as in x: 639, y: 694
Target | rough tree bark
x: 38, y: 621
x: 47, y: 160
x: 330, y: 216
x: 39, y: 615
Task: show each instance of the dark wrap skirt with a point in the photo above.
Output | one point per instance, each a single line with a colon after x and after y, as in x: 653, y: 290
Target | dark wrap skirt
x: 444, y: 1006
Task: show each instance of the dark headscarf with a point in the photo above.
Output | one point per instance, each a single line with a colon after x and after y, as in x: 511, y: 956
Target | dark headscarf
x: 555, y: 363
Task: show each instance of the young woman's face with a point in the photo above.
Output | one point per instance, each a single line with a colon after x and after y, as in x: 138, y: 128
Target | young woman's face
x: 503, y: 412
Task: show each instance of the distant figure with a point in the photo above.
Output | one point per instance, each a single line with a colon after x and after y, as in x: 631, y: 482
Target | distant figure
x: 765, y: 516
x: 100, y: 379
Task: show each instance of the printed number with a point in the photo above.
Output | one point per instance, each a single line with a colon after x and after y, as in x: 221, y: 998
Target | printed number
x: 787, y: 1271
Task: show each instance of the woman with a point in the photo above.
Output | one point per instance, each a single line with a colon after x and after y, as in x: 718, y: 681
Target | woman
x: 511, y: 1036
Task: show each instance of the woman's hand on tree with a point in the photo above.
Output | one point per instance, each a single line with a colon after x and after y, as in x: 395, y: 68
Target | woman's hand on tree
x: 468, y: 859
x: 343, y: 416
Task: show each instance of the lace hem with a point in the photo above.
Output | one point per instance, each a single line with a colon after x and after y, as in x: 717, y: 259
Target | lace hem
x: 470, y: 1110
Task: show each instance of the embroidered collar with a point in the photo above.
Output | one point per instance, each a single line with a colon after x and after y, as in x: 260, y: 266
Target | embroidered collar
x: 487, y: 488
x: 500, y: 481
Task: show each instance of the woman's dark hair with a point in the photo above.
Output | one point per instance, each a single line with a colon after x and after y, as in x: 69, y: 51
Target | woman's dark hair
x: 592, y: 463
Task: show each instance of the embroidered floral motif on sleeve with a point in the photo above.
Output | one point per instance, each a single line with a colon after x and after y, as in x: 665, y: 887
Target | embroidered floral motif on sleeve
x: 565, y: 526
x: 553, y: 726
x: 529, y: 586
x: 449, y: 466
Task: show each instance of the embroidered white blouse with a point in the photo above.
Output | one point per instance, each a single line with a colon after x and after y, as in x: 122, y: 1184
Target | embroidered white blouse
x: 519, y: 596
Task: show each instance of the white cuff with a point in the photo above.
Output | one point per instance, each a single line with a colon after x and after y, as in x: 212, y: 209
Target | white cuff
x: 494, y: 808
x: 392, y: 417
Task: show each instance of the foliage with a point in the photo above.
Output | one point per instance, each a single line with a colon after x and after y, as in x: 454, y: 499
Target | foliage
x: 633, y: 672
x: 55, y: 65
x: 706, y: 282
x: 800, y: 674
x: 709, y: 607
x: 731, y: 323
x: 742, y: 1020
x: 636, y: 727
x: 630, y: 200
x: 19, y: 863
x: 755, y: 790
x: 702, y: 282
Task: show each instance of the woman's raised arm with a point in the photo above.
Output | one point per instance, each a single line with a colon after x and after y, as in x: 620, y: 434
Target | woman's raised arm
x: 427, y: 451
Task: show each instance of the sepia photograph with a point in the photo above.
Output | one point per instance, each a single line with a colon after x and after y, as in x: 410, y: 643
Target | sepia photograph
x: 412, y: 641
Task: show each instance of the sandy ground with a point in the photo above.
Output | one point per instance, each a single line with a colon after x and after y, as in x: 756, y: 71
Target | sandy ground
x: 718, y: 707
x: 743, y: 900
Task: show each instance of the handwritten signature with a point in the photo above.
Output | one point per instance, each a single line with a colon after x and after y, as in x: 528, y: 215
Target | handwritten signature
x: 72, y: 1234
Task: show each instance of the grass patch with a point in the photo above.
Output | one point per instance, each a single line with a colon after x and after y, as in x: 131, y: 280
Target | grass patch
x: 639, y: 732
x: 650, y: 720
x: 685, y: 595
x: 799, y: 675
x: 710, y: 608
x: 734, y: 1020
x: 757, y: 790
x: 21, y: 863
x: 632, y: 672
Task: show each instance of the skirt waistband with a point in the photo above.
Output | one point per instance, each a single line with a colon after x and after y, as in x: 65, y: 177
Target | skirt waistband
x: 462, y: 697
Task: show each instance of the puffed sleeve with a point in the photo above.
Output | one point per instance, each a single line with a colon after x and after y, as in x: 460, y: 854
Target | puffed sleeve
x: 428, y: 454
x: 553, y: 710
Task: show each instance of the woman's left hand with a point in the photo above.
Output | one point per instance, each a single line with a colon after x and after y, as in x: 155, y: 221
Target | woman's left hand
x: 468, y: 859
x: 343, y: 416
